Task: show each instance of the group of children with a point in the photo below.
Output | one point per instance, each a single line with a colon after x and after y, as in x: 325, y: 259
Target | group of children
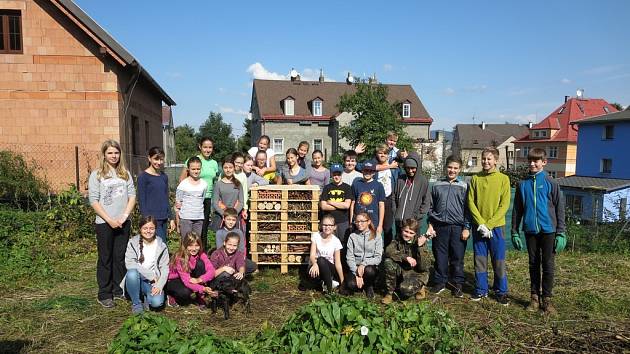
x: 361, y: 212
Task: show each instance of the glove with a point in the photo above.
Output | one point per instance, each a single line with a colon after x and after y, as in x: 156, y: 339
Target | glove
x: 560, y: 242
x: 485, y: 231
x: 516, y: 241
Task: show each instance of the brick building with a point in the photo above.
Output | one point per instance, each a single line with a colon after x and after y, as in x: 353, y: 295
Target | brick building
x: 292, y: 111
x: 558, y: 136
x: 64, y: 84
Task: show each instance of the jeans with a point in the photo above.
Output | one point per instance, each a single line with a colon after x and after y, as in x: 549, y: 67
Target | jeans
x: 111, y: 245
x: 139, y: 287
x: 186, y: 226
x: 207, y: 209
x: 541, y: 253
x: 162, y: 230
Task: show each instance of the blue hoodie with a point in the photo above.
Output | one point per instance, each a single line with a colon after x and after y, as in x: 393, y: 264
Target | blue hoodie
x: 539, y: 203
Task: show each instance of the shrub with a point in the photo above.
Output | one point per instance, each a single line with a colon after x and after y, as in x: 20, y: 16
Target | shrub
x: 19, y: 184
x: 330, y: 325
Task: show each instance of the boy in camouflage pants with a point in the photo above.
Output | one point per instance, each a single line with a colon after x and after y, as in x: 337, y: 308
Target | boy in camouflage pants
x: 407, y: 264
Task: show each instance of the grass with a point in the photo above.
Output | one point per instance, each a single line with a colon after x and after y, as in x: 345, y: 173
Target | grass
x: 60, y: 315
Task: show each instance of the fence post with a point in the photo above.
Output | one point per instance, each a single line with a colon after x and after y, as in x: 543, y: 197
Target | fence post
x: 76, y: 166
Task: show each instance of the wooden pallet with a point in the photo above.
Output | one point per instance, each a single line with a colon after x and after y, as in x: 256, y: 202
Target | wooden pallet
x: 283, y: 216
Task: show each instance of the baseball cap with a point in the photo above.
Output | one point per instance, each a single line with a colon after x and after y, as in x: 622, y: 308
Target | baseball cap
x: 368, y: 166
x: 336, y: 167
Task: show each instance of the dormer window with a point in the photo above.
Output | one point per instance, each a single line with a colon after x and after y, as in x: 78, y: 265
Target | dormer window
x: 540, y: 133
x: 317, y: 107
x: 406, y: 110
x: 289, y: 105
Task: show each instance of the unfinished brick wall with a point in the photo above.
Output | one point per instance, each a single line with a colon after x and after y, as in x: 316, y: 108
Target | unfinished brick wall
x: 61, y: 91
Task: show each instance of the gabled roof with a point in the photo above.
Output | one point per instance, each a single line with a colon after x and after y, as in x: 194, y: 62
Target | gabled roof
x: 269, y: 94
x: 603, y: 184
x: 622, y: 116
x: 121, y: 54
x: 472, y: 136
x: 575, y: 109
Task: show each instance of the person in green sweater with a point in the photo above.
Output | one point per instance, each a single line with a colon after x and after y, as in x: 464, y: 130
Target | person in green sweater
x: 489, y: 201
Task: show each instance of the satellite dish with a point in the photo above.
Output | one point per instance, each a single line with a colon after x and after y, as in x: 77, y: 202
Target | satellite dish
x: 580, y: 93
x: 294, y: 73
x: 349, y: 78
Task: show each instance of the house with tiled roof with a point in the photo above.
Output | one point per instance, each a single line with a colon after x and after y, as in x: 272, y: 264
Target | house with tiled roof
x: 470, y: 139
x: 66, y: 86
x: 290, y: 111
x: 600, y: 189
x: 558, y: 136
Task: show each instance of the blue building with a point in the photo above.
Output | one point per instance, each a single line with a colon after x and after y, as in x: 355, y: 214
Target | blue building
x: 600, y: 189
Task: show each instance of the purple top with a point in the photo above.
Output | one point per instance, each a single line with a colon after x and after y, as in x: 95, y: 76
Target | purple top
x: 319, y: 178
x: 220, y: 258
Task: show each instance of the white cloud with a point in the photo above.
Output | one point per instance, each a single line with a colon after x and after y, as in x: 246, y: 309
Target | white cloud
x: 230, y: 110
x: 388, y: 67
x: 476, y: 88
x: 221, y: 90
x: 521, y: 118
x: 565, y: 81
x: 258, y: 71
x: 449, y: 91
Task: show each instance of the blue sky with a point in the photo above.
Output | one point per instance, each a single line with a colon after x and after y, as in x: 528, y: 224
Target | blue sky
x: 495, y: 60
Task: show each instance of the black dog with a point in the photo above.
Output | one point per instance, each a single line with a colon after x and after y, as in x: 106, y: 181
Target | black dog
x: 231, y: 291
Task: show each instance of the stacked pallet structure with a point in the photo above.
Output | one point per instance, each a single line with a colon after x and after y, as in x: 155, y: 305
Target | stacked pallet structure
x: 282, y: 220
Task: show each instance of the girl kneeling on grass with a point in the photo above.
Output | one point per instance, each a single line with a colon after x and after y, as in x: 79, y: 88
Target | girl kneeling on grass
x: 189, y: 273
x: 364, y: 254
x: 228, y: 260
x: 146, y: 260
x: 325, y: 256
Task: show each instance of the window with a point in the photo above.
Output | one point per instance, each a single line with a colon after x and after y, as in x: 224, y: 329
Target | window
x: 289, y: 107
x: 318, y: 144
x: 609, y: 132
x: 606, y: 110
x: 473, y: 161
x: 406, y: 110
x: 10, y: 32
x: 552, y: 173
x: 561, y: 110
x: 553, y: 152
x: 525, y: 151
x: 317, y: 108
x: 540, y: 133
x: 574, y: 204
x: 278, y: 145
x: 606, y: 166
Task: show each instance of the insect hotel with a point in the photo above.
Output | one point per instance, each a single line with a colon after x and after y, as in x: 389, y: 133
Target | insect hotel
x: 282, y: 219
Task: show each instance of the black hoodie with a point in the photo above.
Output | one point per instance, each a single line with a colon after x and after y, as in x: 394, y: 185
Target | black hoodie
x: 412, y: 198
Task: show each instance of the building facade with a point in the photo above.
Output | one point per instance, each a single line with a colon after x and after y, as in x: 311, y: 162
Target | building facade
x: 469, y: 140
x: 293, y: 111
x: 600, y: 189
x: 558, y: 136
x: 66, y: 86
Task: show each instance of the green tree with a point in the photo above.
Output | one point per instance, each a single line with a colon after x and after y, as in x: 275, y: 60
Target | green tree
x: 374, y: 117
x: 185, y: 142
x: 221, y: 133
x: 245, y: 141
x: 617, y: 105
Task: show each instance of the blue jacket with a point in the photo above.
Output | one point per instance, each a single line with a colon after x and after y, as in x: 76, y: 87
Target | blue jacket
x: 538, y: 202
x: 448, y: 203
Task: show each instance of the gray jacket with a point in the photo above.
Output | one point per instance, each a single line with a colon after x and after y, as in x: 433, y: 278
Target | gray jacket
x: 133, y: 253
x: 411, y: 200
x: 448, y: 203
x: 363, y: 251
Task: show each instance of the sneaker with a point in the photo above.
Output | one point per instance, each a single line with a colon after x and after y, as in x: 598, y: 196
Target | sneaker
x: 437, y: 289
x: 171, y: 302
x: 548, y: 307
x: 478, y: 297
x: 106, y: 303
x: 369, y: 292
x: 503, y: 300
x: 145, y: 305
x: 457, y: 291
x: 534, y: 304
x: 137, y: 309
x: 335, y: 284
x: 421, y: 294
x: 388, y: 299
x: 120, y: 297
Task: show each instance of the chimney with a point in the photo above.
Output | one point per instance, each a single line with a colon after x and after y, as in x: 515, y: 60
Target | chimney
x: 321, y: 75
x: 530, y: 125
x: 438, y: 135
x: 483, y: 125
x: 566, y: 98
